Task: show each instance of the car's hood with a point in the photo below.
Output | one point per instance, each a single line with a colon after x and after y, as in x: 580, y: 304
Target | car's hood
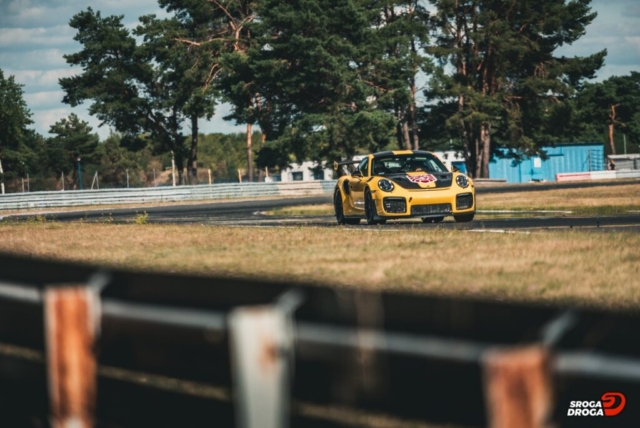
x: 422, y: 180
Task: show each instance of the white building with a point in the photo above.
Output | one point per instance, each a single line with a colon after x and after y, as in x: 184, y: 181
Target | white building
x: 452, y: 158
x: 307, y: 171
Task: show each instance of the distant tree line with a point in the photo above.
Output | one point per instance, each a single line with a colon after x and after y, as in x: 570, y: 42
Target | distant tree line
x: 326, y: 79
x: 73, y: 150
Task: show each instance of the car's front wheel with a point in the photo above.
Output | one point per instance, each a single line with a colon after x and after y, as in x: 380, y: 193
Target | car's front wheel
x: 370, y: 209
x: 464, y: 218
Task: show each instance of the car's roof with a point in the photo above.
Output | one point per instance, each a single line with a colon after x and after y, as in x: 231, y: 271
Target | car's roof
x: 399, y: 152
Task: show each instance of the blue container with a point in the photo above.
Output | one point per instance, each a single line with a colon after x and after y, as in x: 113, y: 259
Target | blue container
x: 562, y: 158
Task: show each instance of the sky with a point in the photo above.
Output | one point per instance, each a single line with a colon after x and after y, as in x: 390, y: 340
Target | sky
x: 34, y: 35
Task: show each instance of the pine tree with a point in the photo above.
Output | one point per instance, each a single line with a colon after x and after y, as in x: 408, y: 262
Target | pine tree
x: 72, y: 146
x: 15, y: 117
x: 506, y: 76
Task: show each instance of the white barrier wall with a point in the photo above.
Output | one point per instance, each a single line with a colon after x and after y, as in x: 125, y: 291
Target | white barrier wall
x: 597, y: 175
x: 13, y: 201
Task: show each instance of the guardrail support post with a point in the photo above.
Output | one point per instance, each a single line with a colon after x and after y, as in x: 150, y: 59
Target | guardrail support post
x: 71, y: 315
x: 261, y: 356
x: 517, y: 384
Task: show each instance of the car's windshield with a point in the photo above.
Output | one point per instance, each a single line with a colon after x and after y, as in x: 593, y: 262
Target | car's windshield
x: 396, y: 164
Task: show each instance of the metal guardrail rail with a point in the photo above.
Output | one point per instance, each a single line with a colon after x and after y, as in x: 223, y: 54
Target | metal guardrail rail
x: 141, y: 349
x: 35, y: 200
x: 16, y: 201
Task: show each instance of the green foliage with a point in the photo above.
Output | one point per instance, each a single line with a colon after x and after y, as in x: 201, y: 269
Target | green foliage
x: 507, y: 83
x: 613, y: 103
x: 116, y: 160
x: 312, y: 65
x: 135, y: 89
x: 14, y: 119
x: 141, y: 218
x: 72, y: 140
x: 225, y: 154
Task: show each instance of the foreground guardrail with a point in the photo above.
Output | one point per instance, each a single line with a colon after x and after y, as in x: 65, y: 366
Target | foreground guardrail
x: 117, y: 348
x: 16, y: 201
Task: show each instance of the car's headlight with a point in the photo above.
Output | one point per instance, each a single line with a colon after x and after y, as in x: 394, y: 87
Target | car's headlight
x: 385, y: 185
x: 462, y: 181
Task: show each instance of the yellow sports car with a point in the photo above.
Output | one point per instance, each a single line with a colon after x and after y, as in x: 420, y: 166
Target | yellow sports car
x: 403, y: 184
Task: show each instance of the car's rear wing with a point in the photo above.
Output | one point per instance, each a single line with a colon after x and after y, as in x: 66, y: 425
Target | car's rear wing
x: 337, y: 165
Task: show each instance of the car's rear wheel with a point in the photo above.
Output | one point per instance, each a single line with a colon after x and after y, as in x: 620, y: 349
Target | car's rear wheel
x: 464, y: 218
x: 339, y: 210
x: 432, y: 219
x: 370, y: 209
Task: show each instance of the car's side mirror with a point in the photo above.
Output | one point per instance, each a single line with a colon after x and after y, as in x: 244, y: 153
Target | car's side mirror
x: 455, y: 169
x: 357, y: 173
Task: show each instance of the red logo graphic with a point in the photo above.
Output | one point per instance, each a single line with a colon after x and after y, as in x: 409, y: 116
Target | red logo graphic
x: 613, y: 403
x: 424, y: 179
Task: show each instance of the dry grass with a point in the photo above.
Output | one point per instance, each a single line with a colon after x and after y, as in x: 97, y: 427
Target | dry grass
x: 605, y: 200
x: 584, y: 268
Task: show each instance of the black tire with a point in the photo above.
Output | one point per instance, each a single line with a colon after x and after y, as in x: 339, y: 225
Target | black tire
x: 370, y: 209
x: 464, y: 218
x: 337, y: 207
x: 432, y: 219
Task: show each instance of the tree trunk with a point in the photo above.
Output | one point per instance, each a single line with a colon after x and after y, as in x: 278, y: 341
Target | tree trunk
x: 1, y: 178
x: 180, y: 168
x: 399, y: 137
x: 249, y: 153
x: 485, y: 141
x: 192, y: 164
x: 612, y: 144
x: 412, y: 118
x: 477, y: 155
x: 612, y: 121
x: 405, y: 134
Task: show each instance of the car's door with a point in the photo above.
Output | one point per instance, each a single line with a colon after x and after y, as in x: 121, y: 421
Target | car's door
x: 357, y: 184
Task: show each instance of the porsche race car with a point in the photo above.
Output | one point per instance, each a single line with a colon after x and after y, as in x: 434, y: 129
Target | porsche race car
x: 403, y: 184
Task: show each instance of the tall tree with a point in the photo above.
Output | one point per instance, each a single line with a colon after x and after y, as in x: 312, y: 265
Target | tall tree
x: 128, y: 89
x: 183, y: 67
x: 505, y: 74
x: 220, y: 38
x: 72, y: 146
x: 398, y: 59
x: 314, y: 70
x: 14, y: 119
x: 612, y: 104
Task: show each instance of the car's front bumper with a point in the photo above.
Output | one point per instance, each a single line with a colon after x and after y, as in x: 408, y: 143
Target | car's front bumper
x: 424, y: 204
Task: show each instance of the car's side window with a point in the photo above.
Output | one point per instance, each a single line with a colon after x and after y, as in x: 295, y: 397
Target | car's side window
x: 364, y: 167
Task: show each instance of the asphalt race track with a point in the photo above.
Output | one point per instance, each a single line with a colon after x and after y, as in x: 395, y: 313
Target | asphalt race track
x: 254, y: 213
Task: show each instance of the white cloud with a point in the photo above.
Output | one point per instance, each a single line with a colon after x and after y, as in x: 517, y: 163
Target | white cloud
x: 43, y: 119
x: 34, y: 59
x: 46, y: 13
x: 14, y: 38
x: 41, y: 79
x: 44, y: 99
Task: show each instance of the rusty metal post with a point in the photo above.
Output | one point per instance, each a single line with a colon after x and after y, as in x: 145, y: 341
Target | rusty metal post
x: 261, y: 339
x: 517, y: 384
x: 71, y: 316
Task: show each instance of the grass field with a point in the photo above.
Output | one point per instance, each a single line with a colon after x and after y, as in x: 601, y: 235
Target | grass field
x: 587, y: 268
x: 584, y: 268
